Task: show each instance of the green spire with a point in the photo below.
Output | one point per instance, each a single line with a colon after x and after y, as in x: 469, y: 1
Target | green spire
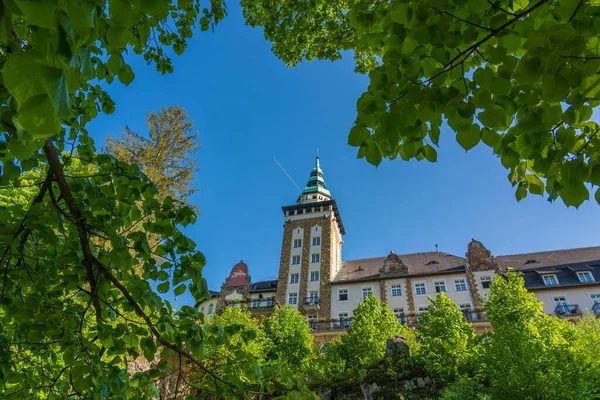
x: 315, y: 189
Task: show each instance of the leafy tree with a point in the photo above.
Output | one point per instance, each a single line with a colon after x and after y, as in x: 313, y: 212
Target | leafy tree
x: 74, y: 313
x: 345, y: 360
x: 447, y: 347
x: 586, y: 347
x: 248, y: 336
x: 528, y: 354
x: 292, y: 341
x: 166, y: 157
x: 520, y: 76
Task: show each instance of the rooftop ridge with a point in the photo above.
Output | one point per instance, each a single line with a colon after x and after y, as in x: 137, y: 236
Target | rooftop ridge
x: 549, y: 251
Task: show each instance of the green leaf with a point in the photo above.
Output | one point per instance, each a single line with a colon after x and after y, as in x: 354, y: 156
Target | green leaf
x: 38, y: 13
x: 126, y: 75
x: 179, y: 289
x: 521, y: 192
x: 21, y: 74
x: 574, y: 194
x: 598, y: 196
x: 148, y: 348
x: 468, y: 136
x: 358, y: 134
x: 115, y: 63
x: 38, y: 117
x: 430, y: 153
x: 490, y: 137
x: 494, y: 117
x: 555, y: 87
x: 373, y: 154
x: 536, y: 186
x: 56, y: 87
x: 163, y: 287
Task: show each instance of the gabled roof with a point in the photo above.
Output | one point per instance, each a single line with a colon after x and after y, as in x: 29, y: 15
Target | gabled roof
x: 418, y: 264
x: 584, y: 255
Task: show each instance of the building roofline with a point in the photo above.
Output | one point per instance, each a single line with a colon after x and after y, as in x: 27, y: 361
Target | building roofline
x: 380, y: 277
x: 308, y: 206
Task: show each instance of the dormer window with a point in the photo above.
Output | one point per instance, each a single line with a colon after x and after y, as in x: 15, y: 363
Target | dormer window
x: 432, y: 262
x: 550, y: 279
x: 531, y: 262
x: 585, y: 276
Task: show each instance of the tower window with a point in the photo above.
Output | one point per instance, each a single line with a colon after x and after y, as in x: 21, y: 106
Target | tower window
x: 316, y: 241
x: 396, y: 290
x: 314, y: 276
x: 297, y: 243
x: 294, y: 278
x: 296, y: 260
x: 316, y: 258
x: 211, y: 308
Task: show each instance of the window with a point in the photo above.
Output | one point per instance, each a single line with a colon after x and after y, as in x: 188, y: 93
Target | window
x: 211, y: 308
x: 293, y: 298
x: 270, y: 303
x: 550, y: 280
x: 439, y: 286
x: 202, y: 309
x: 294, y: 278
x: 486, y: 281
x: 460, y: 285
x: 585, y: 276
x: 314, y: 276
x: 343, y: 317
x: 342, y: 294
x: 255, y: 303
x: 313, y: 297
x: 595, y: 298
x: 420, y: 288
x: 297, y: 242
x: 296, y: 260
x: 465, y: 307
x: 317, y: 241
x: 316, y: 258
x: 398, y: 312
x: 396, y: 290
x: 312, y: 318
x: 367, y: 291
x: 423, y: 310
x: 560, y: 301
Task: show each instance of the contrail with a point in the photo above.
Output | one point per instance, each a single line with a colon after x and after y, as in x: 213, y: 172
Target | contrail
x: 286, y: 174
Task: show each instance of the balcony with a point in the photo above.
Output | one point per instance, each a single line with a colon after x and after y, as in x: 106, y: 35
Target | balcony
x: 267, y: 303
x: 596, y: 310
x: 567, y: 310
x: 474, y: 315
x: 311, y: 303
x: 329, y: 325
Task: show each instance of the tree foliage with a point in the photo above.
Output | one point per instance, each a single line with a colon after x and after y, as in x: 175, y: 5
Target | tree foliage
x: 447, y: 347
x: 520, y: 76
x: 343, y: 362
x: 529, y: 354
x: 166, y: 156
x: 290, y: 335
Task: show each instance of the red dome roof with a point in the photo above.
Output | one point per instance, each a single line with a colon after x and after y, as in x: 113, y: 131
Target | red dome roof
x: 239, y: 275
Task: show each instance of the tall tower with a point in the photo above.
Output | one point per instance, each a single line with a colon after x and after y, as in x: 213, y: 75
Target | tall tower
x: 311, y: 252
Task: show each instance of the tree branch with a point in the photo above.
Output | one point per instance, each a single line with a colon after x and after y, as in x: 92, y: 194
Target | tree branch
x: 78, y: 220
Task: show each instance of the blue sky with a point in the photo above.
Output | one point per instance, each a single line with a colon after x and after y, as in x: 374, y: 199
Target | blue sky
x: 249, y: 107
